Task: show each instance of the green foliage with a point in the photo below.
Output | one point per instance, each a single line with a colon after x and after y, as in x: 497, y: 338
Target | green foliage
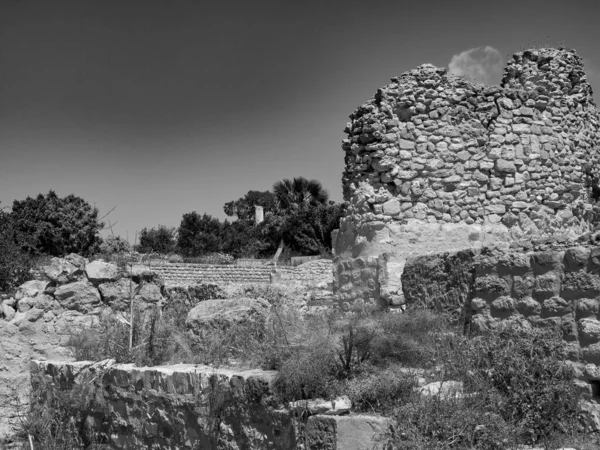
x: 15, y: 262
x: 297, y: 212
x: 243, y: 208
x: 157, y: 240
x: 199, y: 234
x: 307, y: 231
x: 58, y: 226
x: 114, y: 245
x: 58, y: 418
x: 379, y: 390
x: 299, y: 193
x: 110, y: 339
x: 527, y: 368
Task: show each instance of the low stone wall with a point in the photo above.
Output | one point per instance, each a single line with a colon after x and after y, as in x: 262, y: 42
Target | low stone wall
x: 175, y: 273
x: 189, y: 406
x: 557, y: 284
x: 308, y: 274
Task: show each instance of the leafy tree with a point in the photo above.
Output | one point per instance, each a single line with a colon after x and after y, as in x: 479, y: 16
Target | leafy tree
x: 299, y: 193
x: 115, y: 244
x: 242, y: 239
x: 15, y: 262
x: 160, y: 240
x: 199, y: 234
x: 308, y: 230
x: 57, y: 225
x: 243, y: 208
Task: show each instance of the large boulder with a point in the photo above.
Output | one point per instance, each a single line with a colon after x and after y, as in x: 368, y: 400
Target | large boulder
x: 42, y: 301
x: 213, y: 314
x: 31, y: 289
x: 100, y: 272
x: 6, y: 310
x: 150, y: 293
x: 116, y: 293
x: 76, y: 260
x: 62, y: 271
x: 80, y: 296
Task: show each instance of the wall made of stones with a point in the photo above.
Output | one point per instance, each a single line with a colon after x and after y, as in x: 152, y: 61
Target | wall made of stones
x: 309, y: 274
x: 212, y: 274
x: 552, y: 284
x: 514, y: 161
x: 193, y: 406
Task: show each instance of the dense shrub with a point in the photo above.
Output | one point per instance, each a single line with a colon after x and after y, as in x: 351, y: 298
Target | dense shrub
x: 58, y: 226
x: 15, y: 262
x: 114, y: 245
x: 57, y: 418
x: 160, y: 240
x: 518, y: 390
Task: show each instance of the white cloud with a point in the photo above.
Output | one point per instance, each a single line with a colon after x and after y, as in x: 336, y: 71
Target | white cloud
x: 481, y: 64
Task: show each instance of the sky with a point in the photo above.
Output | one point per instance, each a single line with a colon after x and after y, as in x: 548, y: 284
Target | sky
x: 164, y: 107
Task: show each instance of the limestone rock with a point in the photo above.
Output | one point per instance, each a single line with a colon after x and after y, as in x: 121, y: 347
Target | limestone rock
x: 61, y: 271
x: 444, y: 389
x: 31, y: 289
x: 226, y: 313
x: 100, y: 272
x: 150, y: 293
x: 42, y: 301
x: 116, y: 293
x: 80, y: 296
x: 341, y: 405
x: 346, y: 432
x: 76, y: 260
x: 8, y: 312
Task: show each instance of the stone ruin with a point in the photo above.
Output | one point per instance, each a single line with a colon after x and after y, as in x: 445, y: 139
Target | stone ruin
x: 437, y: 163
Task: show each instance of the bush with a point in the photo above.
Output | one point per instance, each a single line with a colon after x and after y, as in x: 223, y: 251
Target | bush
x: 57, y: 419
x: 157, y: 240
x: 518, y: 389
x: 114, y: 245
x: 58, y: 226
x: 15, y: 262
x: 380, y: 390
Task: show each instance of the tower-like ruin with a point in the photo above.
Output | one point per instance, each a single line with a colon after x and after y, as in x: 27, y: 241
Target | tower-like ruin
x: 435, y: 163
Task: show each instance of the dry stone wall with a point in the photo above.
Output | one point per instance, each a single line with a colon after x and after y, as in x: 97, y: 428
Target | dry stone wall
x: 557, y: 284
x: 432, y: 150
x: 194, y: 406
x: 308, y: 274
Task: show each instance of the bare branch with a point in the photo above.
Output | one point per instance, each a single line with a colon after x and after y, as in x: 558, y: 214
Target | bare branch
x: 113, y: 208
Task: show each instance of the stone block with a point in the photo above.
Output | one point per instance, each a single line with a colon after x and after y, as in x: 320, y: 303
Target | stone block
x: 528, y: 306
x: 543, y: 262
x: 547, y: 285
x: 556, y: 307
x: 589, y: 331
x: 576, y: 258
x: 502, y: 306
x: 580, y: 284
x: 346, y: 432
x: 491, y: 286
x: 522, y: 286
x: 587, y: 307
x: 591, y: 354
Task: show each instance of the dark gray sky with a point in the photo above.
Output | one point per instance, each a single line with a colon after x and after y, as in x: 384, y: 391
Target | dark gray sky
x: 167, y: 107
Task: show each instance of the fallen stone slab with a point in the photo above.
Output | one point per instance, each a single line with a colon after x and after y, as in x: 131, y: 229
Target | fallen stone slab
x: 346, y: 432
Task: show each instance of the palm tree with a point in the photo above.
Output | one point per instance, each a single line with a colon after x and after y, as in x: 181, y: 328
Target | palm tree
x: 299, y: 193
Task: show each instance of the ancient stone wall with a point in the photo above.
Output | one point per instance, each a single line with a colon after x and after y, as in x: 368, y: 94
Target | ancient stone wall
x: 309, y: 274
x: 174, y: 273
x: 549, y: 284
x: 506, y: 162
x: 192, y: 406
